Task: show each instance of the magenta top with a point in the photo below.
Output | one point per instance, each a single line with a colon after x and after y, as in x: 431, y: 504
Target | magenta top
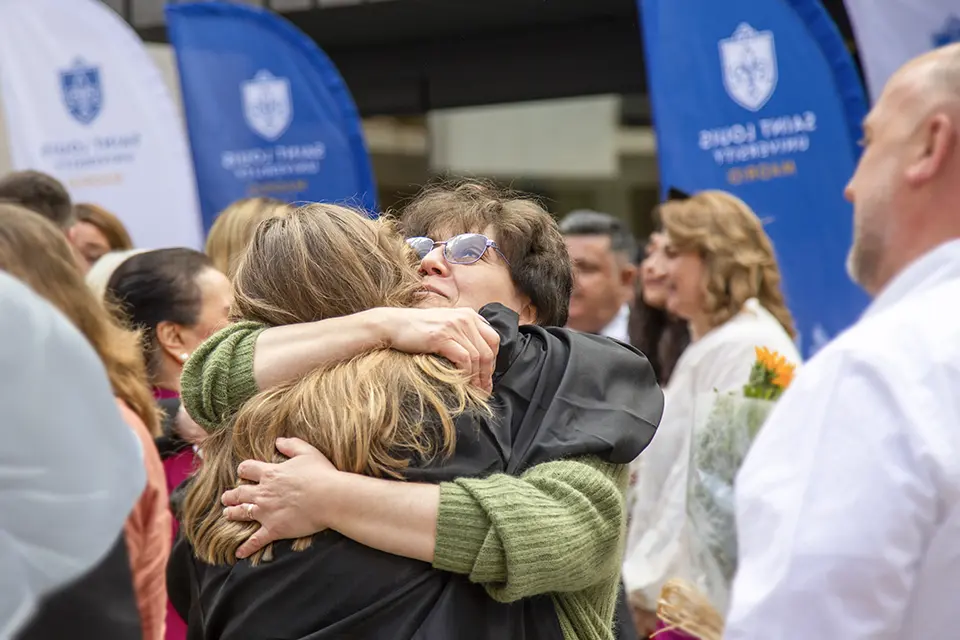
x: 177, y: 468
x: 672, y: 634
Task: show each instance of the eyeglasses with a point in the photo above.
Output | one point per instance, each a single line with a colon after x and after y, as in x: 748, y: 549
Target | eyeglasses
x: 467, y: 248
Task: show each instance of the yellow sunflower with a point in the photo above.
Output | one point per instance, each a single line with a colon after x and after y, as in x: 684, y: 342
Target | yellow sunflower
x: 766, y: 358
x: 783, y: 374
x: 780, y: 370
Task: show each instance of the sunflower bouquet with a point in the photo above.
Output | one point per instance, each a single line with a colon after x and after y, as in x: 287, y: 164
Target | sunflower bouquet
x: 718, y: 448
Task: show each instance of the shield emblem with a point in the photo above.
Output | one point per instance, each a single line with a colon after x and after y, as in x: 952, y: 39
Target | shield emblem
x: 749, y: 63
x: 949, y: 34
x: 267, y: 107
x: 80, y: 88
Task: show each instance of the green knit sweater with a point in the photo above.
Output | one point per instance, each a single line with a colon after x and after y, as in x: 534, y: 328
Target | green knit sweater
x: 558, y: 529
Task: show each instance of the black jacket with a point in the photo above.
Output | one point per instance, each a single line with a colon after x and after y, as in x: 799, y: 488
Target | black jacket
x: 101, y: 604
x: 557, y: 394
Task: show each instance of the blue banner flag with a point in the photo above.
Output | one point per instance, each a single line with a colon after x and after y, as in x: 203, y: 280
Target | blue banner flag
x: 267, y: 112
x: 762, y: 99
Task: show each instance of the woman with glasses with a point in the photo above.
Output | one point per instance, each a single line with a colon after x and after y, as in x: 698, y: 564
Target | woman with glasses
x: 540, y: 522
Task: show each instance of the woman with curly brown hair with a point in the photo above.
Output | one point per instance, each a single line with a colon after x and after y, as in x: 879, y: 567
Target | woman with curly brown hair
x: 724, y: 281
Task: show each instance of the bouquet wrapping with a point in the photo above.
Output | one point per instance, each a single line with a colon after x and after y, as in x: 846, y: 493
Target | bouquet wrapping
x: 720, y: 442
x: 717, y: 451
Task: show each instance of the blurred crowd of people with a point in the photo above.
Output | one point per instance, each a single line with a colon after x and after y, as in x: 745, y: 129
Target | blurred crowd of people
x: 449, y: 422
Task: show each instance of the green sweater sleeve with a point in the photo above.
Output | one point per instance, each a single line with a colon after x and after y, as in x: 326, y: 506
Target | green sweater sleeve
x: 218, y: 378
x: 557, y: 528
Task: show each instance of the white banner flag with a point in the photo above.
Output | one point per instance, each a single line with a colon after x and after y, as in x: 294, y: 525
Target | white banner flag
x: 891, y: 32
x: 85, y: 103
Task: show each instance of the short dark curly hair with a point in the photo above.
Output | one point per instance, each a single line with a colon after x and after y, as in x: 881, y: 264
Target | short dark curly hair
x: 527, y: 235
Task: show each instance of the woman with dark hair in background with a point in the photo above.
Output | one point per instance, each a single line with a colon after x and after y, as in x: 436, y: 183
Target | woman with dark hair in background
x: 659, y: 335
x: 177, y: 299
x: 662, y: 337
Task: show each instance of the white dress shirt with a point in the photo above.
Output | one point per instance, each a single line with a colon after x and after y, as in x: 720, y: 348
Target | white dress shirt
x: 70, y: 468
x: 657, y: 547
x: 848, y: 506
x: 619, y: 327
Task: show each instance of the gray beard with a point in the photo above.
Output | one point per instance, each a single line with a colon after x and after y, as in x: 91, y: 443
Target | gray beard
x: 863, y: 260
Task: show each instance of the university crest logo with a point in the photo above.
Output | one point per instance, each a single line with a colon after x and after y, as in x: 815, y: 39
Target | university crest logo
x: 749, y: 62
x: 949, y: 33
x: 267, y: 107
x: 81, y: 91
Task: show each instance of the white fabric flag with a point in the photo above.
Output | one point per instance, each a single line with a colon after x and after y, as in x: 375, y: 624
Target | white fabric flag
x: 891, y: 32
x: 85, y: 103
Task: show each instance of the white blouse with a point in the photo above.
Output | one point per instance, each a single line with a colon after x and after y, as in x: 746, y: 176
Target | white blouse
x: 719, y: 361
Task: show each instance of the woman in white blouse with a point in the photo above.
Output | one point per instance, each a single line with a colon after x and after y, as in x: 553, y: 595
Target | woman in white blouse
x: 723, y: 279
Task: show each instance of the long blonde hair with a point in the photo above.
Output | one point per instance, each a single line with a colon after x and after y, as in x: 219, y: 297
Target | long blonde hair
x: 35, y: 251
x: 737, y: 253
x: 232, y: 230
x: 375, y: 414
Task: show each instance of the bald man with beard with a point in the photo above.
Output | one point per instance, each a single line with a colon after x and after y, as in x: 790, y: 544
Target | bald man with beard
x: 848, y: 505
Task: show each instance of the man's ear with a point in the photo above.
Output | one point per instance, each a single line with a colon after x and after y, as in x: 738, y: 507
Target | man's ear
x: 940, y: 140
x: 628, y: 279
x: 628, y: 274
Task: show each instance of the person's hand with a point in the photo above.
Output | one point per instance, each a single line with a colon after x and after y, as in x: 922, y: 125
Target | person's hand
x: 645, y: 622
x: 289, y: 498
x: 643, y: 619
x: 186, y: 428
x: 461, y: 336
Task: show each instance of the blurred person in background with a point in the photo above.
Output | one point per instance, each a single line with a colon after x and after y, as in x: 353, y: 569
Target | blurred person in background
x: 100, y: 273
x: 97, y: 232
x: 35, y: 251
x: 177, y: 299
x: 661, y: 336
x: 40, y: 193
x: 72, y: 469
x: 44, y: 195
x: 178, y: 432
x: 232, y: 230
x: 722, y: 278
x: 601, y: 248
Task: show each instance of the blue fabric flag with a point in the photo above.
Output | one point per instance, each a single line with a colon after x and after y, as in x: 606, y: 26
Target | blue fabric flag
x: 267, y: 112
x: 762, y: 99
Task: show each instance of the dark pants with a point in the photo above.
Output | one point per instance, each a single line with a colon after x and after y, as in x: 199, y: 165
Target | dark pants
x: 623, y: 627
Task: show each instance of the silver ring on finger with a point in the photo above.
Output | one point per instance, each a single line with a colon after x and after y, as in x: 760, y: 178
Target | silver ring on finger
x: 250, y: 512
